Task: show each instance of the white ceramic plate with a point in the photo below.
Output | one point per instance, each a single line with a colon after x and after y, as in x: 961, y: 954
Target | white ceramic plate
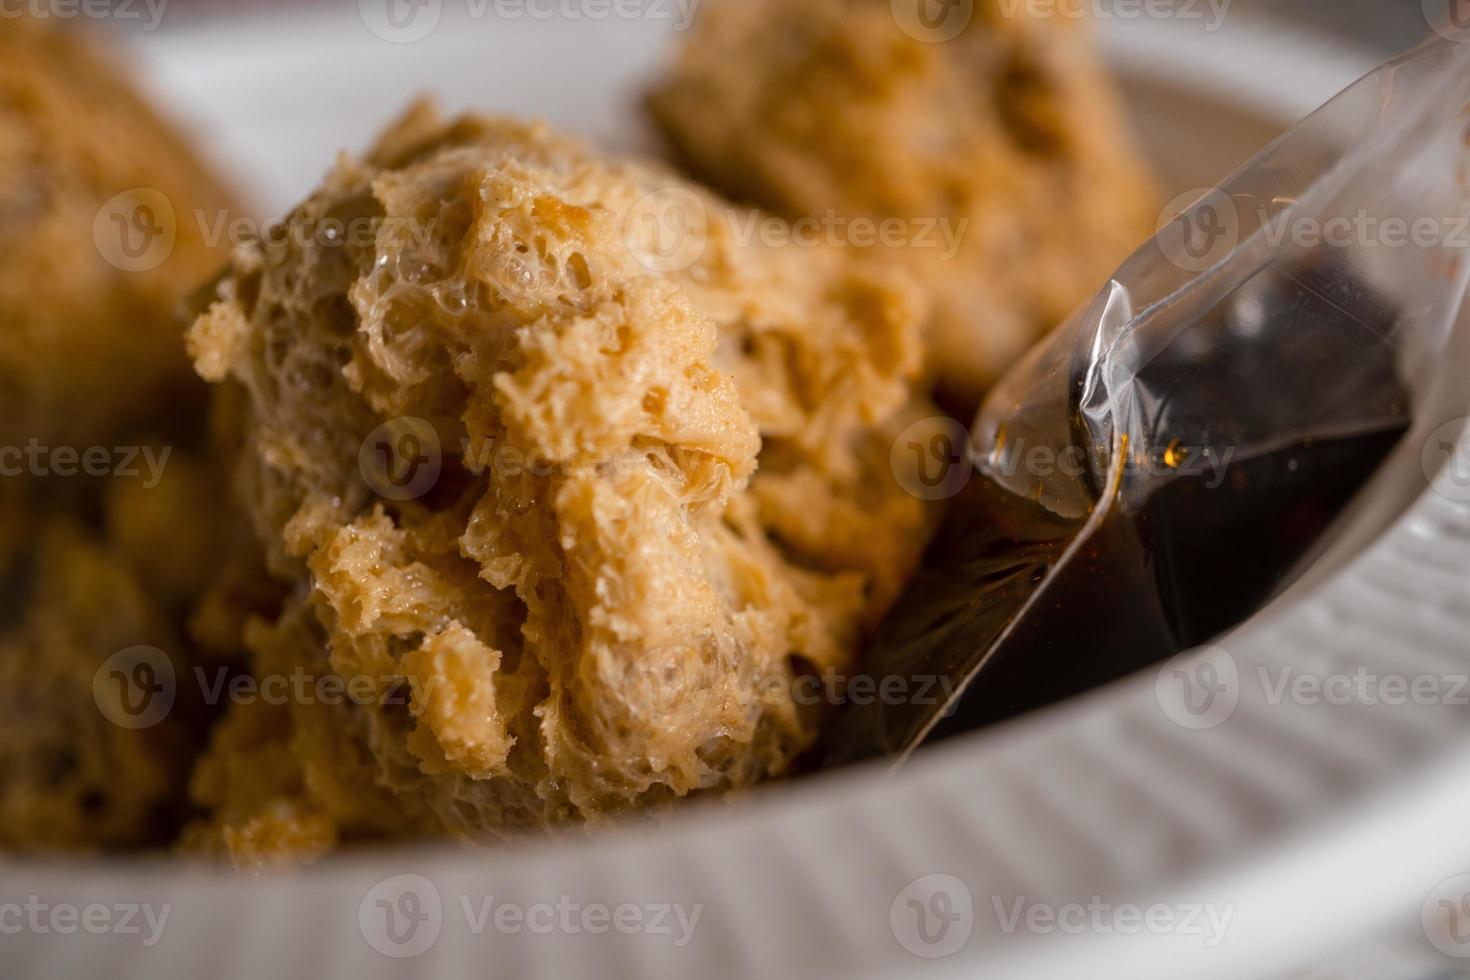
x: 1292, y: 825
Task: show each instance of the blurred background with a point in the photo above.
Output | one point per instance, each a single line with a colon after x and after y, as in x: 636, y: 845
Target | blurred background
x: 1386, y: 25
x: 1281, y: 58
x: 1380, y: 24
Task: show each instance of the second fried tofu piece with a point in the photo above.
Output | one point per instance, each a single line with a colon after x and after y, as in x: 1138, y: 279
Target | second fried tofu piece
x: 999, y: 148
x: 103, y: 218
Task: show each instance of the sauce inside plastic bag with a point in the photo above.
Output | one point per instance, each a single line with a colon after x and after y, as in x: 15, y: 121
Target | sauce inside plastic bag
x: 1226, y: 394
x: 1018, y: 606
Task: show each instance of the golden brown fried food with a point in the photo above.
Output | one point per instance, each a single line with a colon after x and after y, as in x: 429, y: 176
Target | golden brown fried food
x: 90, y: 759
x: 508, y: 450
x: 98, y: 241
x: 191, y: 549
x: 998, y: 148
x: 286, y: 779
x: 75, y: 774
x: 99, y: 561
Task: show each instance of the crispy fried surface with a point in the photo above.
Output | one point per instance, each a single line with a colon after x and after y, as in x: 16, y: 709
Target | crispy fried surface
x: 1008, y: 134
x: 89, y: 334
x: 598, y: 604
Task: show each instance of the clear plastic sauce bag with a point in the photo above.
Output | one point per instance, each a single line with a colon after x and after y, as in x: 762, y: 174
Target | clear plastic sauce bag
x: 1164, y: 463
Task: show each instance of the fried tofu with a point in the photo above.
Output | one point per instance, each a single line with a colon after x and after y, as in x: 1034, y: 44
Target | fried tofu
x: 571, y: 480
x: 984, y: 150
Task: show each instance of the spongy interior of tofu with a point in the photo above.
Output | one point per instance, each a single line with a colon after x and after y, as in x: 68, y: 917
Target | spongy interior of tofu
x: 664, y: 490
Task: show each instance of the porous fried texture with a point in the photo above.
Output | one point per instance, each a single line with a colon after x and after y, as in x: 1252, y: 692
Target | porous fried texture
x: 599, y: 604
x: 85, y: 345
x: 1010, y: 132
x: 74, y: 780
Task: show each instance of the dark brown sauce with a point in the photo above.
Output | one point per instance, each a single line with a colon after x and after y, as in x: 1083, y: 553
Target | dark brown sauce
x: 1202, y: 554
x: 1004, y: 614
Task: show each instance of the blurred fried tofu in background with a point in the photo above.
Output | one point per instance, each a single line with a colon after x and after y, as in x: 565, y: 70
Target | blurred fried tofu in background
x: 992, y: 135
x: 116, y: 525
x: 80, y: 772
x: 99, y: 241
